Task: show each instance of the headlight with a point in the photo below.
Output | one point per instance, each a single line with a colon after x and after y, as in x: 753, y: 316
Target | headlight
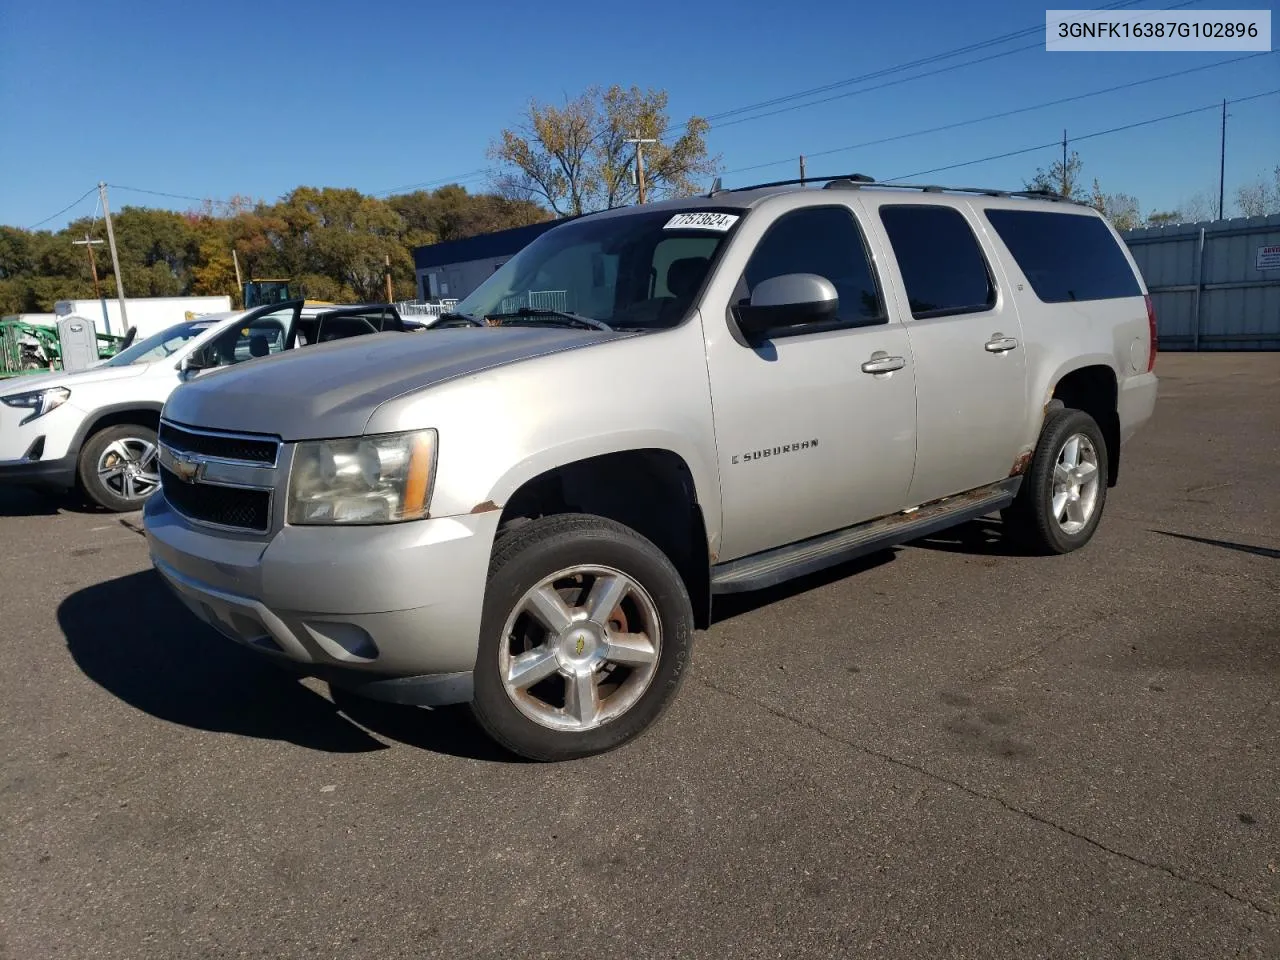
x: 382, y: 479
x: 39, y: 402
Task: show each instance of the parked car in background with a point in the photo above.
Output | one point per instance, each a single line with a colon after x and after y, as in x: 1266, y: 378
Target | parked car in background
x: 531, y: 511
x: 96, y: 429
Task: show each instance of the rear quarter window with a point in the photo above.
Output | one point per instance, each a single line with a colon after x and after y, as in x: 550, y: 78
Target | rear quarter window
x: 1066, y: 256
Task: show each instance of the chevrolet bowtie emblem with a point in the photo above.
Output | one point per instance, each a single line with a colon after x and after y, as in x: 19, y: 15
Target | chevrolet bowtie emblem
x: 186, y: 469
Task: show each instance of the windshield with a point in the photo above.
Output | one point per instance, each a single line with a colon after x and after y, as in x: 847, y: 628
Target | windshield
x: 160, y: 345
x: 638, y: 271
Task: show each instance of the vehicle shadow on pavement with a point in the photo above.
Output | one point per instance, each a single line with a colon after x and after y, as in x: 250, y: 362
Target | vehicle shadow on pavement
x: 24, y: 502
x: 445, y: 730
x: 982, y: 537
x: 136, y: 640
x: 19, y: 502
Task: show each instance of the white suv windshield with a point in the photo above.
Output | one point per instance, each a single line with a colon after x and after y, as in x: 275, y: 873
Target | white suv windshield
x: 640, y: 270
x: 160, y: 345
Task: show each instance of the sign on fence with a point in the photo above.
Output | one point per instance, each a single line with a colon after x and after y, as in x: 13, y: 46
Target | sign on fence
x: 1269, y: 257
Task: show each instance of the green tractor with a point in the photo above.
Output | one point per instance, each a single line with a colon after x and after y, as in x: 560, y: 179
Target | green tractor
x: 28, y: 348
x: 260, y: 292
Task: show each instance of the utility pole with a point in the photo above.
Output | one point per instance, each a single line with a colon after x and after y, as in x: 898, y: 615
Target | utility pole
x: 1222, y: 159
x: 235, y: 259
x: 387, y: 260
x: 640, y: 142
x: 88, y: 245
x: 115, y: 260
x: 1064, y: 163
x: 802, y: 169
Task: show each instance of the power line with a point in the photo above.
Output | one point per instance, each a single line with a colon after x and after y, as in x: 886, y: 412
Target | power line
x: 1006, y: 113
x: 790, y: 106
x: 74, y: 203
x: 407, y: 187
x: 1086, y: 136
x: 897, y: 68
x: 173, y: 196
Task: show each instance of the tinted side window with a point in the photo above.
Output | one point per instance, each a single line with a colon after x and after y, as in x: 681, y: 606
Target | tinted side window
x: 942, y: 265
x: 1066, y: 256
x: 825, y: 241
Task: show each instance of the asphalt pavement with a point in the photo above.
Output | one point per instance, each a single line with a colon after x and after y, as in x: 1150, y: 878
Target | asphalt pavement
x: 946, y: 750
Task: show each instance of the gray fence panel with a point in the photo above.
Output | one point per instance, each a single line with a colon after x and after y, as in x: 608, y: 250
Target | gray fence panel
x: 1213, y: 298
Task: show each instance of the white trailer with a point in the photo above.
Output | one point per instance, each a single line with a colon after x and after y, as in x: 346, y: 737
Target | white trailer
x: 149, y: 314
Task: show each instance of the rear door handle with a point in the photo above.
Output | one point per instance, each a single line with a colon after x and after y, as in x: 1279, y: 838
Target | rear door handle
x: 999, y: 344
x: 883, y: 364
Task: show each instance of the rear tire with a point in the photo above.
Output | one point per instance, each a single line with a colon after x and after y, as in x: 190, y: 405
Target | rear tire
x: 119, y: 467
x: 1060, y: 502
x: 602, y: 676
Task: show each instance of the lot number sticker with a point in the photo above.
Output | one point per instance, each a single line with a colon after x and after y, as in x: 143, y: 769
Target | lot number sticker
x: 1269, y: 257
x: 719, y: 222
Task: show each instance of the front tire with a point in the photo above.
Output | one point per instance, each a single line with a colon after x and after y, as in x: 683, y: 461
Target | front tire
x: 585, y: 638
x: 1059, y: 504
x: 119, y: 467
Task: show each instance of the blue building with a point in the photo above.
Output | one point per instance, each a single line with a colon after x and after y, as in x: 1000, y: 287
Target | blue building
x: 452, y: 269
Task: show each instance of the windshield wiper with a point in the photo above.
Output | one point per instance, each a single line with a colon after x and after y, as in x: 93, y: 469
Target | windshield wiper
x: 542, y: 313
x: 454, y: 315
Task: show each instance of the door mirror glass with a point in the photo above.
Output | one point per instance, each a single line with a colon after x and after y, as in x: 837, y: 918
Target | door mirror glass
x: 789, y: 300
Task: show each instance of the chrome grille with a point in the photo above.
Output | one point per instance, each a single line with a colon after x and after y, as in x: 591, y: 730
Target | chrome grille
x: 219, y: 479
x: 221, y: 506
x: 223, y: 446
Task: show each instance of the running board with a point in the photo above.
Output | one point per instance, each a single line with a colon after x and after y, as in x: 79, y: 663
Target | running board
x: 771, y: 567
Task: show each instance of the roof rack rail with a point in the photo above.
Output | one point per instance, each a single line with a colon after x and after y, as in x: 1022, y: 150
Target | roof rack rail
x: 854, y: 181
x: 852, y: 177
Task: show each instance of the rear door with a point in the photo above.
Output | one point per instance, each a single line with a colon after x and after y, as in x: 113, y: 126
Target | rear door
x: 967, y: 341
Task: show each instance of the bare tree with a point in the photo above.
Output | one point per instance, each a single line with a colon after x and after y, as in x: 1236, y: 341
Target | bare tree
x: 575, y: 158
x: 1065, y: 179
x: 1199, y: 207
x: 1260, y: 198
x: 1121, y: 209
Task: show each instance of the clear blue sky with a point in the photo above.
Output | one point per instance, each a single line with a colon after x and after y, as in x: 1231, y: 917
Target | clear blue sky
x: 256, y: 98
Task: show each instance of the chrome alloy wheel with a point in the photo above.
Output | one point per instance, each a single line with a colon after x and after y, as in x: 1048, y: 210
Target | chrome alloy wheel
x: 1075, y: 484
x: 130, y: 468
x: 580, y: 648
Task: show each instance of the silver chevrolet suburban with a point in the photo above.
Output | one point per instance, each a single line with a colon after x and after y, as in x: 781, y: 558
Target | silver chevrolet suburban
x: 530, y: 510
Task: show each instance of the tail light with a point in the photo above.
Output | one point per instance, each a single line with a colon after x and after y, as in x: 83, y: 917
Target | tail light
x: 1155, y: 340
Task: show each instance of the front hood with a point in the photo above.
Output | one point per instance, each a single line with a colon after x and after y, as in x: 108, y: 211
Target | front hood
x: 332, y: 389
x: 70, y: 380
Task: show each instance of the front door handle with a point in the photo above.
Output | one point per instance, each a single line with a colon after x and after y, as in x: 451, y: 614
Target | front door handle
x: 882, y: 363
x: 999, y: 344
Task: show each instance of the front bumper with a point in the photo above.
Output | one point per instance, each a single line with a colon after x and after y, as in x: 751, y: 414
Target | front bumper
x: 41, y: 453
x: 57, y: 474
x: 391, y: 612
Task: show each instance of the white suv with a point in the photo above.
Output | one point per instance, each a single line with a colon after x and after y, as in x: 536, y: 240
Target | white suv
x: 96, y: 429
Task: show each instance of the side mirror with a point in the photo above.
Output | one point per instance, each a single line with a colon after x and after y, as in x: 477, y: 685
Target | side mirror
x: 192, y: 363
x: 791, y: 300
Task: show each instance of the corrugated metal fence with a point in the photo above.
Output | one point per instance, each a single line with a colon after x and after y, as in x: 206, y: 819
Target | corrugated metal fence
x: 1215, y: 285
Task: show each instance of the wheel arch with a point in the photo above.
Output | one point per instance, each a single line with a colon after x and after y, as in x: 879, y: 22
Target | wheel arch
x: 145, y: 413
x: 651, y: 489
x: 1094, y: 388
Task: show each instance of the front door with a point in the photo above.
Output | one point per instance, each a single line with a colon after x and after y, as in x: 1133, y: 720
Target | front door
x: 808, y: 440
x: 261, y: 332
x: 968, y: 347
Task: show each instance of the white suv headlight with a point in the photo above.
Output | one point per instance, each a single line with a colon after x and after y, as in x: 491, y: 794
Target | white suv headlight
x: 39, y: 402
x: 381, y: 479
